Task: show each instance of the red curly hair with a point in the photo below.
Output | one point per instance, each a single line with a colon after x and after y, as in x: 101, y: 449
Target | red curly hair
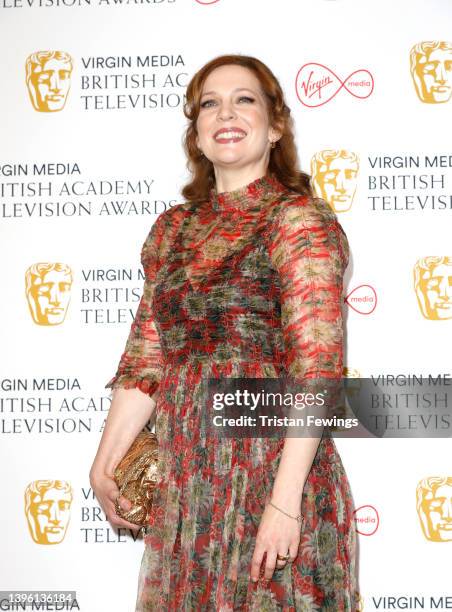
x: 283, y: 158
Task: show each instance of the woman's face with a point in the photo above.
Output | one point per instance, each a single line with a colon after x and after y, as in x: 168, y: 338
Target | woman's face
x: 232, y: 99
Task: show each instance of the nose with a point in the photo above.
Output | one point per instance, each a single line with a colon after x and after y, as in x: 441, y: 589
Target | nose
x: 54, y: 513
x: 447, y: 510
x: 54, y: 82
x: 340, y: 181
x: 444, y: 287
x: 440, y: 73
x: 54, y: 295
x: 225, y: 112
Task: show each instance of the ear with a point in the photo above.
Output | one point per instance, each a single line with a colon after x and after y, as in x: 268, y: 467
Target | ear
x: 276, y: 131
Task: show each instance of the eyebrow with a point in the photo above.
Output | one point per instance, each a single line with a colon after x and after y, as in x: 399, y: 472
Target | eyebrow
x: 237, y: 89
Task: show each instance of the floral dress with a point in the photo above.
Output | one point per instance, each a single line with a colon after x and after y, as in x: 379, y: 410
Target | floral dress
x: 245, y: 284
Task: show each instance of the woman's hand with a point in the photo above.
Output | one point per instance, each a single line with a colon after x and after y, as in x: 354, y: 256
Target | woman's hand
x: 130, y: 410
x: 277, y: 534
x: 106, y: 491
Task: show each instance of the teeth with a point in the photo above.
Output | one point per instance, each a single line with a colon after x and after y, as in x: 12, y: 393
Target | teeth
x: 231, y: 135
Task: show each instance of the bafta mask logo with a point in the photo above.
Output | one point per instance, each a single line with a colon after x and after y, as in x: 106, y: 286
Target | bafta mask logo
x: 334, y: 177
x: 48, y: 78
x: 431, y: 71
x: 433, y: 286
x: 48, y: 510
x: 434, y: 507
x: 48, y: 291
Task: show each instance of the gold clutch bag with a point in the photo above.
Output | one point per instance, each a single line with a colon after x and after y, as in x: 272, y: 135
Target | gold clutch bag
x: 136, y: 476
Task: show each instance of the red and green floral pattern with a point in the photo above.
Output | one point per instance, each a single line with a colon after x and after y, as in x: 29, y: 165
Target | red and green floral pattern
x: 245, y: 284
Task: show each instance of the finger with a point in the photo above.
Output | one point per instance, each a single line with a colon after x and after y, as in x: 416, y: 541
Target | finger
x: 256, y: 562
x: 112, y: 492
x: 293, y: 551
x: 124, y: 503
x: 117, y: 520
x: 270, y: 564
x: 132, y: 526
x: 112, y: 509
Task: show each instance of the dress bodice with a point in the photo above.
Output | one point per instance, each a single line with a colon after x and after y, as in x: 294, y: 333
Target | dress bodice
x: 253, y: 274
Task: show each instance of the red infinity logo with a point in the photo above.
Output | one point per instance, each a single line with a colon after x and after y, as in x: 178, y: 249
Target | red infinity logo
x: 316, y: 84
x: 363, y: 299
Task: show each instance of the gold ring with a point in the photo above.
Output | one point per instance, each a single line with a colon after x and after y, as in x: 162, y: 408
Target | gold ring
x: 282, y: 558
x: 118, y: 505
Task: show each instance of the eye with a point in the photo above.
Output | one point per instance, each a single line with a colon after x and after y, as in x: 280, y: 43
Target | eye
x: 205, y: 103
x: 432, y: 283
x: 43, y: 289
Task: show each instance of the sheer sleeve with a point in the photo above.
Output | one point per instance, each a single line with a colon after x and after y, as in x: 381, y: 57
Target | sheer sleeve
x: 310, y: 251
x: 141, y: 362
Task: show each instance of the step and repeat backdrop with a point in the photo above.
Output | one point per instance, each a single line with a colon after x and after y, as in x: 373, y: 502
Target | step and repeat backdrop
x: 91, y: 154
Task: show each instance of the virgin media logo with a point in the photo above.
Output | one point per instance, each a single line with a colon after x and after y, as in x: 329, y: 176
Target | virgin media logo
x: 363, y: 299
x: 316, y: 84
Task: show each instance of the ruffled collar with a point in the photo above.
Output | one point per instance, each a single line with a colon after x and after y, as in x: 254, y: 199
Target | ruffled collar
x: 247, y: 196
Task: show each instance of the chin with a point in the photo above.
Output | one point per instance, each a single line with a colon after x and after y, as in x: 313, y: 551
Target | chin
x: 227, y: 159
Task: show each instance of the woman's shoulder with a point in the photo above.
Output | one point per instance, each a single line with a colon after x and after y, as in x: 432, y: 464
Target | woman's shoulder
x: 302, y: 209
x: 298, y: 215
x: 171, y: 217
x: 173, y: 212
x: 164, y: 229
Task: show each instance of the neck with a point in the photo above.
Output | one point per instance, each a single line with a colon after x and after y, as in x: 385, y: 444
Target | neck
x: 250, y: 196
x: 228, y: 179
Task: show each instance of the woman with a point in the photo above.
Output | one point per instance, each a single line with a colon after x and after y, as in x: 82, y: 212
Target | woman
x: 243, y: 279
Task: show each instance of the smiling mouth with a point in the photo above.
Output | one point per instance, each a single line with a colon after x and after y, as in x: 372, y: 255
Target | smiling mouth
x: 230, y: 137
x: 53, y: 529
